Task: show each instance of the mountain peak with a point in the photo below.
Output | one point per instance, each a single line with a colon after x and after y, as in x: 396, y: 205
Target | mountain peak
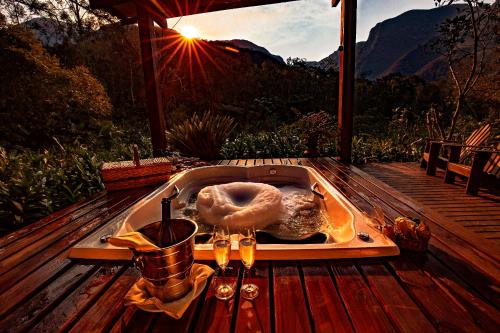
x: 399, y: 45
x: 244, y: 44
x: 47, y: 31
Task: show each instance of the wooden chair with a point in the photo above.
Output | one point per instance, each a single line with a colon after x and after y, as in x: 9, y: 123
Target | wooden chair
x: 431, y: 158
x: 485, y: 167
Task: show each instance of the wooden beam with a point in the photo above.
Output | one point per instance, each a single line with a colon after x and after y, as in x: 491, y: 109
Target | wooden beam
x: 151, y: 81
x: 346, y: 79
x: 170, y: 8
x: 157, y: 14
x: 187, y: 7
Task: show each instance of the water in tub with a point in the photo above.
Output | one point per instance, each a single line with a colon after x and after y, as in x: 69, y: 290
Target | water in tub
x: 300, y: 216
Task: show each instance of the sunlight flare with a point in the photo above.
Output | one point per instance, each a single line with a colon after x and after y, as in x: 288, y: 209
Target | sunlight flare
x: 189, y: 32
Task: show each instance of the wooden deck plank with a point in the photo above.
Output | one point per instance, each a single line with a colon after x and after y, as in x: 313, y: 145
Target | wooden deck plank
x: 216, y: 315
x: 438, y: 305
x: 402, y: 311
x: 255, y: 316
x: 64, y: 241
x: 102, y: 315
x: 327, y: 309
x: 22, y: 289
x: 484, y: 315
x: 70, y: 212
x: 21, y: 249
x: 290, y: 310
x: 41, y: 302
x: 72, y: 308
x: 366, y: 313
x: 486, y: 286
x: 421, y: 182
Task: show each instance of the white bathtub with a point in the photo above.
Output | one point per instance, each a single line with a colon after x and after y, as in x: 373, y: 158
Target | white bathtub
x: 345, y: 219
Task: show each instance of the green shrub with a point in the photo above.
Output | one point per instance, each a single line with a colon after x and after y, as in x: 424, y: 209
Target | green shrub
x: 372, y: 149
x: 119, y: 139
x: 34, y: 184
x: 282, y: 143
x: 315, y: 129
x: 201, y: 137
x: 287, y: 142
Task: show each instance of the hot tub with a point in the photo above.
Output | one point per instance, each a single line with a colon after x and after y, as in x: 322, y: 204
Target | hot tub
x: 340, y: 240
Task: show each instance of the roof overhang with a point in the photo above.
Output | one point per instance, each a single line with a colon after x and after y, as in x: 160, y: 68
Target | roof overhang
x: 163, y: 9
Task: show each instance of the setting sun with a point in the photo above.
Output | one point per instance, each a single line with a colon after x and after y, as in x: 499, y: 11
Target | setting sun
x: 189, y: 32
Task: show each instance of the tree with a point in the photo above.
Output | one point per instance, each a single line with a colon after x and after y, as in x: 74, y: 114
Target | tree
x: 465, y: 41
x: 40, y: 99
x: 75, y: 17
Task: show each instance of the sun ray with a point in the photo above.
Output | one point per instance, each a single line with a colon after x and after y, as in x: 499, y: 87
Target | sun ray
x: 210, y: 58
x: 193, y: 56
x: 200, y: 65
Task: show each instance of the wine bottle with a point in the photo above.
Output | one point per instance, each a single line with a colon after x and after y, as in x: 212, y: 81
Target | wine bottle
x: 166, y: 236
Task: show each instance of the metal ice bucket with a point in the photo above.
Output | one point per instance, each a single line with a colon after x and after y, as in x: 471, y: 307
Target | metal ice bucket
x: 167, y: 271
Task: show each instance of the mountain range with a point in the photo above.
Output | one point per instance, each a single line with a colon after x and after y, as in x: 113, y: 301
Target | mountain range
x: 397, y: 45
x: 400, y: 45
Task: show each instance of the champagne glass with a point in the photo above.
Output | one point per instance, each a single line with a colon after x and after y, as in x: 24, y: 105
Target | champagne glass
x: 247, y: 246
x: 222, y: 250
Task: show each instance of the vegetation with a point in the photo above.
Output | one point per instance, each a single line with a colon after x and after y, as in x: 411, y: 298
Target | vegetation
x: 201, y: 136
x: 465, y: 42
x: 40, y: 99
x: 72, y: 17
x: 282, y: 143
x: 34, y: 184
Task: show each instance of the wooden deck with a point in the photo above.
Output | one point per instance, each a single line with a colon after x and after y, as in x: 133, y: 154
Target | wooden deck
x: 448, y: 202
x: 452, y: 287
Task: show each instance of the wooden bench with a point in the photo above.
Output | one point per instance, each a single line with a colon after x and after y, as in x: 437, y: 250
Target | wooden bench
x: 432, y: 159
x: 485, y: 168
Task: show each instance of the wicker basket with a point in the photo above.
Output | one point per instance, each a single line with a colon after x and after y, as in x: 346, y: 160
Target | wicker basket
x: 137, y: 173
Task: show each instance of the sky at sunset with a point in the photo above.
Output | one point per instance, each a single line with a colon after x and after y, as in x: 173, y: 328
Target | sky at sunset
x: 306, y: 29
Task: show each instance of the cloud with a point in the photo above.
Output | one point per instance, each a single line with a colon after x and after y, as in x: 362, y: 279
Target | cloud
x: 297, y: 29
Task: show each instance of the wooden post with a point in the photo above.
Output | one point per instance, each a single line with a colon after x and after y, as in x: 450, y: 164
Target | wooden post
x: 151, y: 81
x: 449, y: 177
x: 479, y: 160
x: 433, y: 161
x: 346, y: 78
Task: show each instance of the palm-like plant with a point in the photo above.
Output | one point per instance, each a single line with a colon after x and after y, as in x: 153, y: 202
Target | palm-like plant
x: 201, y: 137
